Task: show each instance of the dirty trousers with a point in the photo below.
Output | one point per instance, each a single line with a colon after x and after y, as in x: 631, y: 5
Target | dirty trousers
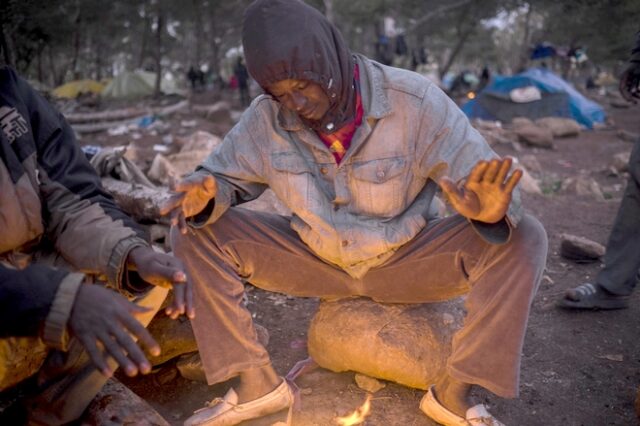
x: 68, y: 381
x: 447, y: 259
x: 621, y: 274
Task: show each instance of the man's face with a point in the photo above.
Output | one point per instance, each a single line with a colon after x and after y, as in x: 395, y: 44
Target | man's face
x: 305, y: 98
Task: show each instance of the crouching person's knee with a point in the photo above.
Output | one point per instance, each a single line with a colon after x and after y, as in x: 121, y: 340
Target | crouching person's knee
x: 529, y: 240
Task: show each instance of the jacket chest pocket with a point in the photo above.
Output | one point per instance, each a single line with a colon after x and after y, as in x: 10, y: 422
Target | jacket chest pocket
x: 377, y: 186
x: 292, y: 181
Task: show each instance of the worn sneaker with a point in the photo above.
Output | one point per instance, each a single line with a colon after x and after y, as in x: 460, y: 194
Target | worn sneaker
x: 475, y: 416
x: 227, y: 412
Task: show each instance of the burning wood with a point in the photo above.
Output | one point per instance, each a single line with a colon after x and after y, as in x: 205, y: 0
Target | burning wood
x: 358, y: 416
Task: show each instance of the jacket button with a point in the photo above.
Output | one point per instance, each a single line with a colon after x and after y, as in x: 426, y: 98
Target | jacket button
x: 324, y: 170
x: 345, y: 243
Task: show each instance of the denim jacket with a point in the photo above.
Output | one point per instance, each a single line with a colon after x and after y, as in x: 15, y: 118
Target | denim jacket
x: 356, y: 214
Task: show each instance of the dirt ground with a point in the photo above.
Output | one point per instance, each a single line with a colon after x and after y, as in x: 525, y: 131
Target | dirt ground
x: 578, y: 368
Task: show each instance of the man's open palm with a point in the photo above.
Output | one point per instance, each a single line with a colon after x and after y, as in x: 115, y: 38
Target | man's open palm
x: 486, y: 193
x: 191, y: 196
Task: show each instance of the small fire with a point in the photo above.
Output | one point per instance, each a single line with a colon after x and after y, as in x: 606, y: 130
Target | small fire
x: 471, y: 95
x: 358, y: 416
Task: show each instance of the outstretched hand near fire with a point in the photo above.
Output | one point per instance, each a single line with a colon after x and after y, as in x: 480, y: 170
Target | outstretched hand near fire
x: 486, y: 193
x: 191, y: 196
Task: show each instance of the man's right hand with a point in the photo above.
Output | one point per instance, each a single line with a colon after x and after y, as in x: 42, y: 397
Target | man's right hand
x: 104, y: 322
x: 192, y: 195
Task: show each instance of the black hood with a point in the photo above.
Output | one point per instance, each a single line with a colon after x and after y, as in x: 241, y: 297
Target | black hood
x: 288, y: 39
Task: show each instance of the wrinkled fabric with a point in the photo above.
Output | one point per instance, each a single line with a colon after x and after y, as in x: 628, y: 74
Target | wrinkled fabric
x: 288, y: 39
x: 356, y: 214
x: 445, y: 260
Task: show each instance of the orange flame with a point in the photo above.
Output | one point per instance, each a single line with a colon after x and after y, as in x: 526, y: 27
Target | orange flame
x: 471, y: 95
x: 358, y: 416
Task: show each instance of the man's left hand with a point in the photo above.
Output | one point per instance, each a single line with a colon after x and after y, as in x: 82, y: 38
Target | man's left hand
x: 486, y: 193
x: 165, y: 271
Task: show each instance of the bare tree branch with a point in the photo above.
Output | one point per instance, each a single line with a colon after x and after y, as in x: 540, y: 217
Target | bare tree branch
x: 437, y: 12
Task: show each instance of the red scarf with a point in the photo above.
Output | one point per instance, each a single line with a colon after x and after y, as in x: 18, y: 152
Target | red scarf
x: 339, y: 141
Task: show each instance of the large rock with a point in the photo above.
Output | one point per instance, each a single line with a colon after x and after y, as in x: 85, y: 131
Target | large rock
x: 407, y: 344
x: 580, y: 249
x: 118, y: 405
x: 560, y: 127
x: 20, y: 358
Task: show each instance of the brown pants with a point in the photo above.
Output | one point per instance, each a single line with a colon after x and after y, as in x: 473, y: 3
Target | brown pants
x: 447, y: 259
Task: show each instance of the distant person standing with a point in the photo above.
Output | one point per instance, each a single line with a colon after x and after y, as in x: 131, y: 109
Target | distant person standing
x: 242, y: 77
x: 620, y: 275
x: 192, y: 76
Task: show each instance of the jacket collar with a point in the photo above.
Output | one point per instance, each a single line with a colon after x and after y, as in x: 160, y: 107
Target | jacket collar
x: 374, y: 100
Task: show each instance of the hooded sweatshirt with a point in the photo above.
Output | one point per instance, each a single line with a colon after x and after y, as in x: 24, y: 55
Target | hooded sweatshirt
x: 287, y: 39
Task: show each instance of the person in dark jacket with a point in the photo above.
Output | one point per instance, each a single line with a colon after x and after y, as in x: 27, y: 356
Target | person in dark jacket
x: 620, y: 274
x: 58, y: 228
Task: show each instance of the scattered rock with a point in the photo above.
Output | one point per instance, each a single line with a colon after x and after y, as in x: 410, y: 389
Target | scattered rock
x: 583, y: 185
x: 174, y: 166
x: 519, y: 121
x: 199, y: 141
x: 368, y: 384
x: 534, y: 135
x: 531, y: 163
x: 621, y: 162
x: 407, y: 344
x: 580, y: 249
x: 116, y: 404
x: 627, y: 136
x: 528, y: 184
x: 617, y: 103
x: 560, y: 127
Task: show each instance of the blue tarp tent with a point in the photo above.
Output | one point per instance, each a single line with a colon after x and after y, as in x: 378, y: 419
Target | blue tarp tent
x: 559, y: 99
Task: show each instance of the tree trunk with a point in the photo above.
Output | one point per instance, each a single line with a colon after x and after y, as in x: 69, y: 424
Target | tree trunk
x: 328, y: 10
x: 215, y: 45
x: 198, y: 24
x: 464, y: 36
x: 145, y: 37
x: 524, y: 52
x: 6, y: 43
x: 158, y: 55
x: 40, y: 64
x: 76, y: 41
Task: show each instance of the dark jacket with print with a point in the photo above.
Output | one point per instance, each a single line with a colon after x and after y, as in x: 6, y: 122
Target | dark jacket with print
x: 50, y: 193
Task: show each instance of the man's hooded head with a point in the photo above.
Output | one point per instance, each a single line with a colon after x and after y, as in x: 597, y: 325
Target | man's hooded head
x: 287, y: 39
